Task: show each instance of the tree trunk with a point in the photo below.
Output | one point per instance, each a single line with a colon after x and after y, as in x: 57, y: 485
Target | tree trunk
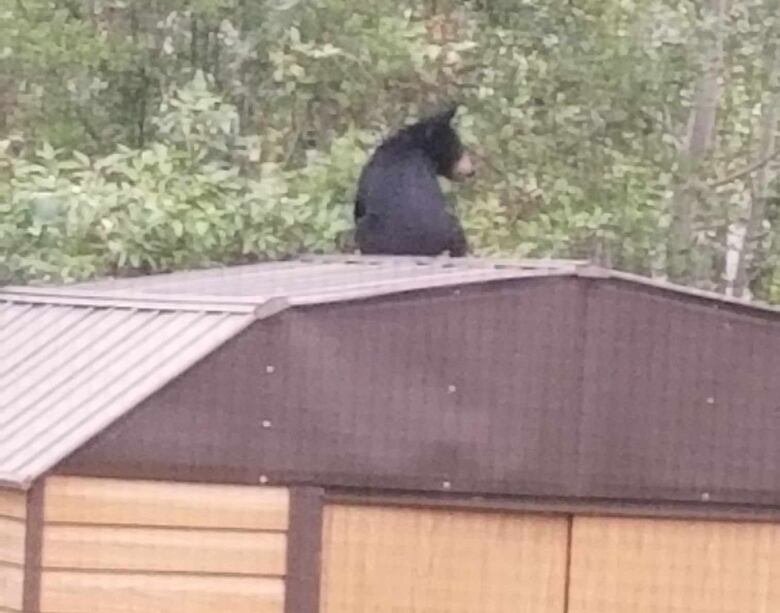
x: 760, y: 191
x: 698, y: 144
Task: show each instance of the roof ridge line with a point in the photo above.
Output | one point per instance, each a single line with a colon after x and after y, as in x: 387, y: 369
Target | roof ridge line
x: 152, y: 302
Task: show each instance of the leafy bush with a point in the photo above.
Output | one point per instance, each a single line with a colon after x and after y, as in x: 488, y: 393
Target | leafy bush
x: 184, y: 201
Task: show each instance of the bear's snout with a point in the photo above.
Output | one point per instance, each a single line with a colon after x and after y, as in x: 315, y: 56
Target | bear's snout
x: 464, y: 167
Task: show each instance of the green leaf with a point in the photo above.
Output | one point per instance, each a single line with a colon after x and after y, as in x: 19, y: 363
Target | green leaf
x: 81, y: 158
x: 201, y: 227
x: 47, y: 152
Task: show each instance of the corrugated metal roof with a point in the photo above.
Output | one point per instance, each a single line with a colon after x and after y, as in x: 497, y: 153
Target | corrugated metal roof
x: 323, y: 279
x: 75, y: 358
x: 69, y: 367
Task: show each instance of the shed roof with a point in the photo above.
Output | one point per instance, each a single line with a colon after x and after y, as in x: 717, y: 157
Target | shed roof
x: 76, y: 358
x: 71, y: 366
x: 324, y: 279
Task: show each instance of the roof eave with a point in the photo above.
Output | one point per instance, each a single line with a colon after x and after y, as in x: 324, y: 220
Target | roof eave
x: 590, y: 271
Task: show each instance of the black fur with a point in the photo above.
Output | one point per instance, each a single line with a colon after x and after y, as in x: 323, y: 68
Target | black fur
x: 400, y: 208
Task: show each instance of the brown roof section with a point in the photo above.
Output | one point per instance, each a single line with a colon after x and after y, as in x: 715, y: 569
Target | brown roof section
x: 564, y: 381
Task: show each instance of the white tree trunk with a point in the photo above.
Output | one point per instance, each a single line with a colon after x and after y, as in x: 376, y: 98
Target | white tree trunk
x: 763, y: 177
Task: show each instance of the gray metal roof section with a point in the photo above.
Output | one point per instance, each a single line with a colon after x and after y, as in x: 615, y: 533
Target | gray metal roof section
x: 69, y: 367
x: 323, y: 279
x: 75, y: 358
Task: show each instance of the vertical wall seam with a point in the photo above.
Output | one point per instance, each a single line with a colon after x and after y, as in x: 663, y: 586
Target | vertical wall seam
x: 567, y: 571
x: 304, y: 550
x: 33, y: 549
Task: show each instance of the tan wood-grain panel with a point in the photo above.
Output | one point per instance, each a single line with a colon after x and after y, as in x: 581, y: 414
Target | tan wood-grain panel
x: 658, y: 566
x: 64, y: 592
x: 11, y: 578
x: 13, y: 504
x: 152, y: 503
x: 386, y: 560
x: 11, y: 540
x: 164, y: 549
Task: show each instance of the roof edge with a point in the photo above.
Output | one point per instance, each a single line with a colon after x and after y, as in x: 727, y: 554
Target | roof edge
x: 470, y: 270
x: 591, y: 271
x: 8, y: 482
x: 151, y: 302
x: 445, y: 261
x: 393, y: 286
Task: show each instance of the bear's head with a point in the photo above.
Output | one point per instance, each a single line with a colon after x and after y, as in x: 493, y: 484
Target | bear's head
x: 442, y: 144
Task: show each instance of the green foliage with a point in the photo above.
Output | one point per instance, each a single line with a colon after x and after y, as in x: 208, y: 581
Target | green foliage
x: 185, y: 132
x: 579, y: 165
x: 181, y: 202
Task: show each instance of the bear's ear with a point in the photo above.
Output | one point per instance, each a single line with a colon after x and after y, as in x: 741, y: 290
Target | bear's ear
x: 448, y: 113
x: 440, y: 120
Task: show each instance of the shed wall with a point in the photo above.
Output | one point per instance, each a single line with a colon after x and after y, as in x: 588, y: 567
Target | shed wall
x: 680, y: 400
x: 476, y: 385
x: 657, y: 566
x: 567, y: 388
x: 13, y: 514
x: 387, y: 560
x: 119, y: 546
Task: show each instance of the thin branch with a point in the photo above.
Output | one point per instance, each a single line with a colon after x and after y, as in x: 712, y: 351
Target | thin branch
x: 484, y: 160
x: 744, y: 171
x: 22, y: 8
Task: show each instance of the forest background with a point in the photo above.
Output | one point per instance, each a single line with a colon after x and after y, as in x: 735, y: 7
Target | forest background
x: 154, y: 135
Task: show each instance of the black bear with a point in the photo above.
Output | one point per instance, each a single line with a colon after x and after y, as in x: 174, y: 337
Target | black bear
x: 400, y: 208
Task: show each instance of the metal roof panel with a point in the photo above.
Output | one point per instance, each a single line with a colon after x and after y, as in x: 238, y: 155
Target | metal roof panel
x: 323, y: 279
x: 67, y: 372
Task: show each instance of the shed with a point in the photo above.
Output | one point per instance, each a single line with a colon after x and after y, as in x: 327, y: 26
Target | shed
x: 352, y: 434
